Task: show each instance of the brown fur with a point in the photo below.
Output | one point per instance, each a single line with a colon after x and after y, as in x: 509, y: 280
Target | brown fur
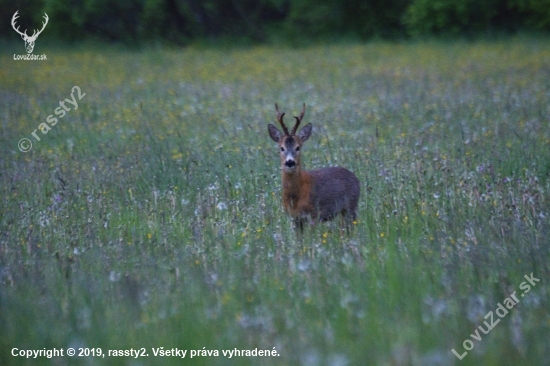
x: 296, y: 194
x: 320, y: 195
x: 316, y: 195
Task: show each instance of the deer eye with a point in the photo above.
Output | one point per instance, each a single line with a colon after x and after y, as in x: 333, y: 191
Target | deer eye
x: 297, y: 148
x: 282, y: 148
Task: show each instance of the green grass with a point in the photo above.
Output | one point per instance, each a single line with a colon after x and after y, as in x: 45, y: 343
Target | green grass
x: 151, y: 215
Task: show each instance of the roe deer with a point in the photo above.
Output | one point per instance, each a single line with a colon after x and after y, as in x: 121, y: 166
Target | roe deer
x: 317, y: 195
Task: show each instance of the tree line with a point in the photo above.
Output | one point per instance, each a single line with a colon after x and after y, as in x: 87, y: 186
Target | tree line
x: 181, y: 21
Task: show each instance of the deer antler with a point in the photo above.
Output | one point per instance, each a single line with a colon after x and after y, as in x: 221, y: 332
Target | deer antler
x: 24, y: 34
x: 13, y: 19
x: 280, y: 119
x: 299, y: 119
x: 43, y: 26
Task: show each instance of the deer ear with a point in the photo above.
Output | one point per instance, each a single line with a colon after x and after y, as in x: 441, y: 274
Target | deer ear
x: 274, y: 133
x: 305, y: 132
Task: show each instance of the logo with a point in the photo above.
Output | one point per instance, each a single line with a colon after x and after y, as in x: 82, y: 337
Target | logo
x: 29, y: 40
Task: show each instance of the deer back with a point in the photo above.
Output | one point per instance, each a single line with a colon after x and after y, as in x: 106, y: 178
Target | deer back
x: 334, y: 190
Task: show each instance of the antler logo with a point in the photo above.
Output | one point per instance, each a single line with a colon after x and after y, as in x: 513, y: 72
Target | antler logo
x: 29, y: 41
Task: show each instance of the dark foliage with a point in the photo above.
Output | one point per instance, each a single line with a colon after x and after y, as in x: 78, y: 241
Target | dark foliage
x: 261, y: 20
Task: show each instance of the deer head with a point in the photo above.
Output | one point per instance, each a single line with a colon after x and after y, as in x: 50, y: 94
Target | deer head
x: 29, y: 40
x: 290, y: 143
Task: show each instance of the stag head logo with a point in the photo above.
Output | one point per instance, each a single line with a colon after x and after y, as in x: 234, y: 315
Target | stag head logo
x: 29, y: 40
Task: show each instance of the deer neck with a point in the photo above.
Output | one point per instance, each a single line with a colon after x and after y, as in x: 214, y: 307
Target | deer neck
x: 295, y: 185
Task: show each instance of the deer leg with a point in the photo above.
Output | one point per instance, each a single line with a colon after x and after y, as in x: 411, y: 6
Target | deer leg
x: 348, y: 217
x: 299, y: 225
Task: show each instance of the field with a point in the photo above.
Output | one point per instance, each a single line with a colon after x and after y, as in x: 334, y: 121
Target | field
x: 150, y: 216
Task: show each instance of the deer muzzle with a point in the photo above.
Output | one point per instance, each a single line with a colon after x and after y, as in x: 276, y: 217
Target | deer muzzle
x: 290, y: 163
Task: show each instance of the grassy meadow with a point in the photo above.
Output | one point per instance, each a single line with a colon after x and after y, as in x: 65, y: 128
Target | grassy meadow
x: 151, y: 215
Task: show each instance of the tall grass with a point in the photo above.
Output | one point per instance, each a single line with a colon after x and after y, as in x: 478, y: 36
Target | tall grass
x: 151, y: 217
